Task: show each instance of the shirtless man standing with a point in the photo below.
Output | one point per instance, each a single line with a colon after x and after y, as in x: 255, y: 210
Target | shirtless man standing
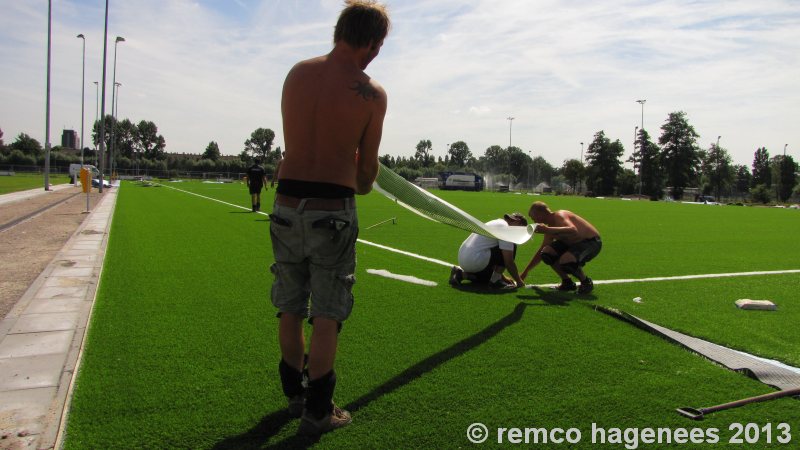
x: 332, y: 123
x: 570, y: 241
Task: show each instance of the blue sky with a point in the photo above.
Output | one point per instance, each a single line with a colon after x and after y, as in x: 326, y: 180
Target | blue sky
x: 454, y: 70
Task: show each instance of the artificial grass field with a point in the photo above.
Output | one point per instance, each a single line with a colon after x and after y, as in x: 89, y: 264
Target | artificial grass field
x: 25, y: 181
x: 182, y: 349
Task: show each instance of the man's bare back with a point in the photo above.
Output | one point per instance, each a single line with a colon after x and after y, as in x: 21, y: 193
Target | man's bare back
x: 332, y: 121
x: 582, y: 229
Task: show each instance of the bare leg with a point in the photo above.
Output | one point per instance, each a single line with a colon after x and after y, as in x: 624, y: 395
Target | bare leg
x: 324, y: 340
x: 292, y: 340
x: 568, y: 258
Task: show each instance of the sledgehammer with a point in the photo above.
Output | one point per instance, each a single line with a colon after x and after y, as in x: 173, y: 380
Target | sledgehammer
x: 699, y: 413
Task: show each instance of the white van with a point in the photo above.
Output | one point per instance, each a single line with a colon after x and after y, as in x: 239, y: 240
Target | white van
x: 75, y: 170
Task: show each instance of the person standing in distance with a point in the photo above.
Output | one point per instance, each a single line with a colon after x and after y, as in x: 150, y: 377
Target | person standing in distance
x: 333, y: 116
x: 256, y: 179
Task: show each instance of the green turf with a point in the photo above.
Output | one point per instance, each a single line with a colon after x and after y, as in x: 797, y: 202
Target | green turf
x: 182, y: 349
x: 25, y: 181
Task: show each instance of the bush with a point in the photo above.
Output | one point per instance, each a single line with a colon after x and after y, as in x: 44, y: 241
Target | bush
x: 408, y: 173
x: 20, y: 159
x: 760, y: 193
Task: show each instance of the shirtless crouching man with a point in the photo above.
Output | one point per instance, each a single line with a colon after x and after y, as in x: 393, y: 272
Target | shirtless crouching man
x: 332, y: 122
x: 570, y: 241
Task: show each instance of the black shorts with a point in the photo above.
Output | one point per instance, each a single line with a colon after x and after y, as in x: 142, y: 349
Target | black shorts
x: 485, y: 275
x: 583, y: 251
x: 255, y: 188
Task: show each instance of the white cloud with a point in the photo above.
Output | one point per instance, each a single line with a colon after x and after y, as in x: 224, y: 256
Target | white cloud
x: 453, y: 69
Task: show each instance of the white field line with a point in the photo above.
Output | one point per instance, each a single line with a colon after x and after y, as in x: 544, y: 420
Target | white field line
x: 403, y: 252
x: 447, y: 264
x: 406, y: 278
x: 694, y: 277
x: 210, y: 198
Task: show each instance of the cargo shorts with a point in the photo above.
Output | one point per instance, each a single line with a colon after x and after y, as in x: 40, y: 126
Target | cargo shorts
x: 315, y: 259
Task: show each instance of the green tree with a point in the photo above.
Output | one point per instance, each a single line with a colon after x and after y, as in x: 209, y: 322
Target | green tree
x: 604, y: 164
x: 647, y: 162
x: 743, y: 179
x: 762, y: 174
x: 678, y: 151
x: 518, y: 161
x: 109, y: 124
x: 148, y: 142
x: 125, y: 137
x: 495, y: 159
x: 785, y: 176
x: 573, y: 171
x: 423, y: 154
x: 760, y: 193
x: 716, y: 167
x: 541, y: 170
x: 459, y: 154
x: 2, y: 146
x: 259, y: 145
x: 27, y: 145
x: 212, y: 151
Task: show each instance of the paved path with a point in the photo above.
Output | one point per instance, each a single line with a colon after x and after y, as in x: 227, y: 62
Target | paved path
x: 41, y: 339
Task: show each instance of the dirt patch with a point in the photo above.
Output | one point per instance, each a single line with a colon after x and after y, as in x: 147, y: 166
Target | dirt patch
x: 29, y: 246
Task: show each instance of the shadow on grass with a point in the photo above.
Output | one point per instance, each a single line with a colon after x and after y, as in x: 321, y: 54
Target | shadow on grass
x: 555, y: 298
x: 480, y: 288
x: 271, y: 424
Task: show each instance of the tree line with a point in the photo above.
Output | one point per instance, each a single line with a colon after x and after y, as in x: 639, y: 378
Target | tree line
x: 139, y: 146
x: 670, y: 166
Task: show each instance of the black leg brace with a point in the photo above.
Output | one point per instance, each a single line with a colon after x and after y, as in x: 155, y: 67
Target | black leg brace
x: 291, y: 380
x: 319, y: 398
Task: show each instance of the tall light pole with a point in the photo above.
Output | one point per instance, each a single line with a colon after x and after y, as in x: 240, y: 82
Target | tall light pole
x: 580, y: 180
x: 641, y: 102
x: 784, y: 149
x: 510, y: 121
x: 114, y: 112
x: 113, y: 103
x: 96, y: 112
x: 103, y: 103
x: 47, y: 119
x: 719, y: 163
x: 635, y: 138
x: 83, y: 90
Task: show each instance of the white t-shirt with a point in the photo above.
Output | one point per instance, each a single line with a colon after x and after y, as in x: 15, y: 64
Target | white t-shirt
x: 476, y: 251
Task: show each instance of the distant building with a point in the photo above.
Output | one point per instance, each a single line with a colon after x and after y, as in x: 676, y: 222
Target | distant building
x: 70, y: 139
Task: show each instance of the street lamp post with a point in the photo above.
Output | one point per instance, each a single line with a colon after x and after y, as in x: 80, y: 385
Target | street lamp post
x: 113, y: 101
x: 719, y: 164
x: 114, y: 112
x: 642, y: 102
x: 96, y: 112
x: 47, y: 118
x: 83, y: 90
x: 580, y: 179
x: 510, y: 121
x: 635, y: 139
x: 103, y: 103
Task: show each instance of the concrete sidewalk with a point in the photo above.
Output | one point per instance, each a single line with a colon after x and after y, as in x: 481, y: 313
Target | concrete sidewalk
x: 41, y: 339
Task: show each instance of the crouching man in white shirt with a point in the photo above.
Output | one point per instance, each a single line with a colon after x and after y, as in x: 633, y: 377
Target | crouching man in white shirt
x: 484, y: 260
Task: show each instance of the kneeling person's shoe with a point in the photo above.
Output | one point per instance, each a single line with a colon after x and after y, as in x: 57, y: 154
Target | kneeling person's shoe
x: 502, y: 285
x: 456, y: 275
x: 587, y: 286
x: 566, y: 285
x: 311, y: 426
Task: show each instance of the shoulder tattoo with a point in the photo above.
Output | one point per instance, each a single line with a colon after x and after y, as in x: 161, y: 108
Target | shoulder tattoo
x: 364, y: 90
